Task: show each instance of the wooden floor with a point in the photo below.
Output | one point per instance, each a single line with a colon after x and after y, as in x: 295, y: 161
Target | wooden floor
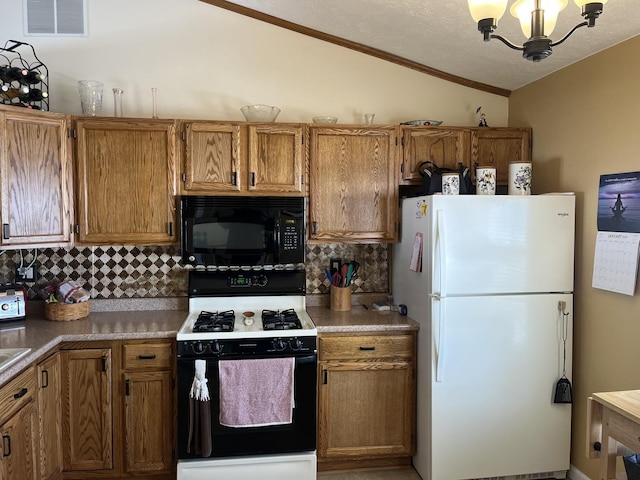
x: 403, y: 473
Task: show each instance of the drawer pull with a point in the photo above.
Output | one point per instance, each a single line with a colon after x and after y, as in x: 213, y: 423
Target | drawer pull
x: 367, y: 348
x: 45, y: 378
x: 21, y: 393
x: 6, y: 446
x: 146, y: 357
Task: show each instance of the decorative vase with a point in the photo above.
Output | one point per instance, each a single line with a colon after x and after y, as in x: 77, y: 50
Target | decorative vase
x: 90, y: 97
x: 450, y: 184
x: 485, y: 181
x: 520, y: 178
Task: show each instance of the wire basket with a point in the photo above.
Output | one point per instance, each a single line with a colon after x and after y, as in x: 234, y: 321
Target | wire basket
x: 63, y: 312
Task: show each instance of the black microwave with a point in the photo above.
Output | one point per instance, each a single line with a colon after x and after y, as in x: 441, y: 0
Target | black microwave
x: 241, y: 231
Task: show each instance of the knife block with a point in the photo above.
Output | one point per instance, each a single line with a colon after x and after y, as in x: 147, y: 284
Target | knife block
x: 340, y: 298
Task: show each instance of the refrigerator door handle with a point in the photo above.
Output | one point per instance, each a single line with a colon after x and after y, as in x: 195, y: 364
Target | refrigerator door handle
x: 440, y: 253
x: 436, y: 302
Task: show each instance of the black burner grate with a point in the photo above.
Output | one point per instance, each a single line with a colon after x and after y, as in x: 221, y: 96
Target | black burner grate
x: 280, y: 320
x: 215, y: 321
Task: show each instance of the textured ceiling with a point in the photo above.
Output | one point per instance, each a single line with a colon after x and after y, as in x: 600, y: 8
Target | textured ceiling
x: 441, y: 34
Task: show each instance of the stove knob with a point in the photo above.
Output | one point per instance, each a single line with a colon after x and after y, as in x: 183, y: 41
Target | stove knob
x: 296, y: 344
x: 198, y: 347
x: 215, y: 347
x: 279, y: 344
x: 261, y: 280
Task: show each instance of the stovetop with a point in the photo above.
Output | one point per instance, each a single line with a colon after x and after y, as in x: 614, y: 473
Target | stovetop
x: 283, y: 315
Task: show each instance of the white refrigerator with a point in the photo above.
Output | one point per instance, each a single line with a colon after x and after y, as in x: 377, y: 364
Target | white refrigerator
x: 493, y: 296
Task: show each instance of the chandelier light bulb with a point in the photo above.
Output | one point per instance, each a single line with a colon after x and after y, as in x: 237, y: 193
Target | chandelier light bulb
x: 522, y: 10
x: 481, y: 9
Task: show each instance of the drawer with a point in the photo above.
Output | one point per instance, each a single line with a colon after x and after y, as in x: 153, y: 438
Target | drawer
x: 147, y: 355
x: 16, y: 393
x: 366, y: 347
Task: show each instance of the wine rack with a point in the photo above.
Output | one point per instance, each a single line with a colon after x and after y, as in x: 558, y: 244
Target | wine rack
x: 23, y: 77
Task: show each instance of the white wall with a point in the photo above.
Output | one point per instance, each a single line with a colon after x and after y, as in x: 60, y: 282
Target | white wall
x: 208, y: 62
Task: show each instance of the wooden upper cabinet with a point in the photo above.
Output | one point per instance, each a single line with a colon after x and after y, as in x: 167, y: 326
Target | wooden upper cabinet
x: 275, y: 158
x: 126, y: 181
x: 446, y: 147
x: 211, y: 157
x: 497, y: 147
x: 353, y: 184
x: 229, y: 158
x: 36, y: 177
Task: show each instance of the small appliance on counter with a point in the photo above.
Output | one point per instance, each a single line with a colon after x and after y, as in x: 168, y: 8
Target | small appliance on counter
x: 13, y: 304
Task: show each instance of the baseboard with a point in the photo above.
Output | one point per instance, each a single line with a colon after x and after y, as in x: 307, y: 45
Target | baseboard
x: 575, y: 474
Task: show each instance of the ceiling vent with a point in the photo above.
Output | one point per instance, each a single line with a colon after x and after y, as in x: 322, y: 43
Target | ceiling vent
x: 55, y: 18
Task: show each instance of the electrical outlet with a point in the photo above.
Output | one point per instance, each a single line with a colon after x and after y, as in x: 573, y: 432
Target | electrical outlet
x: 27, y: 274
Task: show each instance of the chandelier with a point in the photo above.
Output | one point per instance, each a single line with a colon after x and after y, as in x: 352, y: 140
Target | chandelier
x: 537, y: 20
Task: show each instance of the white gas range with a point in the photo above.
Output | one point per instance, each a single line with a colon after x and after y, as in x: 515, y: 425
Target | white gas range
x: 243, y: 317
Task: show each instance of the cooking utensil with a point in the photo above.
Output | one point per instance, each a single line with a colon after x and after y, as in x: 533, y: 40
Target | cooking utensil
x: 349, y: 274
x: 563, y: 386
x: 344, y: 269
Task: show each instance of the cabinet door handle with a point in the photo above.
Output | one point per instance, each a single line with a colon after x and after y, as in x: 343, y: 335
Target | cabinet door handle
x: 367, y: 348
x: 127, y: 388
x: 45, y: 378
x: 6, y: 446
x: 104, y: 364
x: 314, y: 227
x: 21, y: 393
x: 234, y: 178
x: 5, y: 231
x: 146, y: 357
x: 170, y: 229
x: 324, y: 377
x: 253, y: 179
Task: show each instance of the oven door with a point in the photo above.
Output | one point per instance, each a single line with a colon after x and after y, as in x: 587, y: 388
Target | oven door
x: 298, y: 436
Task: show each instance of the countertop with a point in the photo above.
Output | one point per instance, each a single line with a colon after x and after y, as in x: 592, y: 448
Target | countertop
x: 42, y: 335
x: 131, y: 320
x: 359, y: 319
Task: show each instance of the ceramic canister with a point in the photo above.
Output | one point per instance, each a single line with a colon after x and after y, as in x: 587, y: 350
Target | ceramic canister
x: 485, y: 181
x: 520, y: 178
x: 450, y: 184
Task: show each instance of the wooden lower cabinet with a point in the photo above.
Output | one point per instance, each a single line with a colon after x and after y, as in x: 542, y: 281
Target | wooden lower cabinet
x: 18, y: 428
x: 118, y: 410
x: 87, y: 415
x: 366, y: 408
x: 49, y: 418
x: 18, y: 462
x: 148, y: 407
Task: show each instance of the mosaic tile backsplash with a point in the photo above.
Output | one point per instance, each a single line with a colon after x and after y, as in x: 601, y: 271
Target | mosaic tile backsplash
x: 150, y: 272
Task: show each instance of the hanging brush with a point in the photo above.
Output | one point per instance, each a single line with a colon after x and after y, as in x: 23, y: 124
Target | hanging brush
x: 563, y: 386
